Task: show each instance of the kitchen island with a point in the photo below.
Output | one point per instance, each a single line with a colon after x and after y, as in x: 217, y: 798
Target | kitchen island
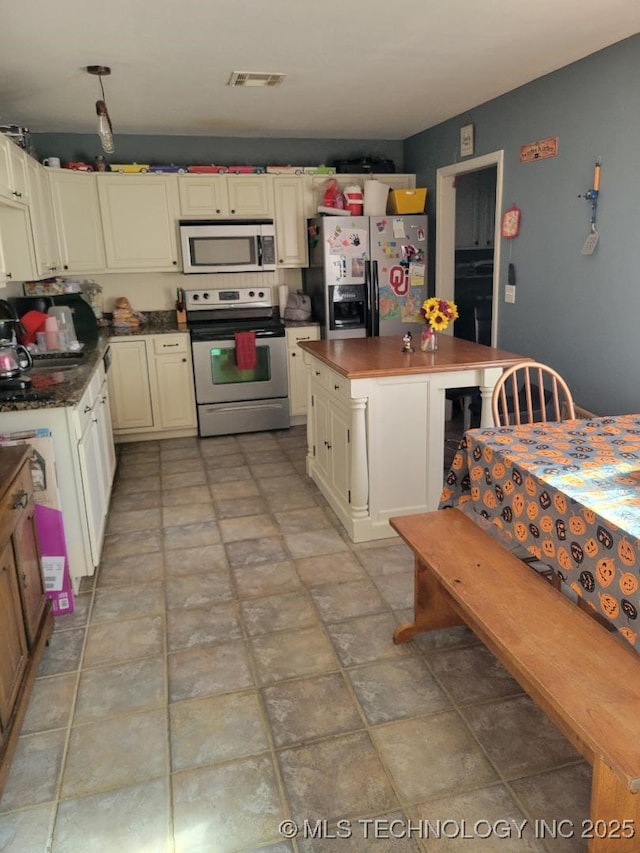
x: 376, y: 423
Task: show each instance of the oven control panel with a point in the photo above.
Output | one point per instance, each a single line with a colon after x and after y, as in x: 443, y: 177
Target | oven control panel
x: 231, y: 297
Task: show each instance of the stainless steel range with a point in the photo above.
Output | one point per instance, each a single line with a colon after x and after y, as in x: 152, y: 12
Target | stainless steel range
x: 230, y: 396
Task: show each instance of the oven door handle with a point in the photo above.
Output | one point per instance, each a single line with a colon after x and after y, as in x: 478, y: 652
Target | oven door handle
x: 243, y: 407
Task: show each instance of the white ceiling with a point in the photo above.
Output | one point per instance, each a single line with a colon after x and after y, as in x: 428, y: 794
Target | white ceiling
x: 356, y: 69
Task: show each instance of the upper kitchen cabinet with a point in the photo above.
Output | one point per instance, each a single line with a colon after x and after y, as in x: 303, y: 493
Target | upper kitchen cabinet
x: 13, y: 172
x: 77, y: 219
x: 475, y: 209
x: 139, y: 219
x: 289, y: 195
x: 43, y: 226
x: 226, y: 196
x: 17, y: 260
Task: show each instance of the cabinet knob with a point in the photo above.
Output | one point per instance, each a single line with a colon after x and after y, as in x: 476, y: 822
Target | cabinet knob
x: 336, y: 387
x: 21, y: 501
x: 175, y: 263
x: 9, y: 275
x: 233, y: 211
x: 293, y: 355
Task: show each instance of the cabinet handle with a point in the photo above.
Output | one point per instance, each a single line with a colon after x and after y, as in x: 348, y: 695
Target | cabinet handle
x: 21, y: 501
x: 86, y: 409
x: 317, y: 373
x: 9, y: 275
x: 336, y: 387
x: 17, y: 194
x: 165, y: 346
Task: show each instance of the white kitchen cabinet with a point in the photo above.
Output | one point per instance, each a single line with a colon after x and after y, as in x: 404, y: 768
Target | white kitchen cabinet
x: 17, y: 259
x: 172, y: 386
x: 297, y: 374
x: 129, y: 389
x: 96, y: 457
x: 43, y: 226
x: 330, y: 428
x: 139, y: 219
x: 203, y: 195
x: 13, y: 174
x: 85, y: 465
x: 77, y: 220
x: 289, y: 196
x: 250, y: 195
x: 226, y: 196
x: 151, y: 387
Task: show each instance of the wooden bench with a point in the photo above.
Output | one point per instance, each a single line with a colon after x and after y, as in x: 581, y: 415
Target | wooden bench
x: 583, y: 677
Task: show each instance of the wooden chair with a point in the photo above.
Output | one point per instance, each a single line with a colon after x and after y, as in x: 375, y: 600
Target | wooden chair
x: 531, y: 392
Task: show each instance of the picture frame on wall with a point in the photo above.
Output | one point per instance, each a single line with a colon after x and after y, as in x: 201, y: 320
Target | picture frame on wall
x: 466, y: 140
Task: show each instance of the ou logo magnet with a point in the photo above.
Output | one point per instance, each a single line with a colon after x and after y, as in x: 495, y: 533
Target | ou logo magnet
x: 399, y: 280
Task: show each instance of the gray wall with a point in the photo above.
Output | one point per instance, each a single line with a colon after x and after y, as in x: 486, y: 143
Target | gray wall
x: 578, y: 313
x: 191, y: 150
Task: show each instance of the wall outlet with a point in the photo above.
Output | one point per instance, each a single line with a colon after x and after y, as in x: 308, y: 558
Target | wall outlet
x: 509, y: 293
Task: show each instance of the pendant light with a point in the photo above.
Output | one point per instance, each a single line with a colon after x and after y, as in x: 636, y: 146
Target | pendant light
x: 105, y: 130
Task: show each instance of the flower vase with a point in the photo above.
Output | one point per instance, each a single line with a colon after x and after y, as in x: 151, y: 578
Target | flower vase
x: 428, y: 340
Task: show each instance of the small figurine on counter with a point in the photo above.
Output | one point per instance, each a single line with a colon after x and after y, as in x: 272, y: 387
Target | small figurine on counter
x: 123, y: 315
x: 406, y: 343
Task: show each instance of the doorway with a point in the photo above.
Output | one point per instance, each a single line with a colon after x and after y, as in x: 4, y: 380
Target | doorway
x: 446, y: 203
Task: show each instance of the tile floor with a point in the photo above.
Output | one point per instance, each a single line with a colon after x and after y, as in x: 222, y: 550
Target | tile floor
x: 231, y: 666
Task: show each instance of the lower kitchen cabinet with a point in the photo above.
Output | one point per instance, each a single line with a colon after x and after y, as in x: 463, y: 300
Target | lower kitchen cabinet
x: 151, y: 387
x: 96, y: 456
x: 85, y: 466
x: 25, y: 614
x: 296, y: 372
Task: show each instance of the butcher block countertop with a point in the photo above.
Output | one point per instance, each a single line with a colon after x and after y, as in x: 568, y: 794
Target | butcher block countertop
x: 367, y: 358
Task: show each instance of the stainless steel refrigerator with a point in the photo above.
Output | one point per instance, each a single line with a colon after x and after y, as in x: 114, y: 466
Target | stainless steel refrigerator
x: 367, y: 274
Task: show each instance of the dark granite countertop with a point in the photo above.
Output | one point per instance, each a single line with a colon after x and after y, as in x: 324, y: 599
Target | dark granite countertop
x: 60, y: 388
x: 64, y: 388
x: 156, y: 323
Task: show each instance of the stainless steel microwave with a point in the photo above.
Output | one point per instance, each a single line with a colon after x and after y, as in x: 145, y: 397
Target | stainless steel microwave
x: 227, y: 246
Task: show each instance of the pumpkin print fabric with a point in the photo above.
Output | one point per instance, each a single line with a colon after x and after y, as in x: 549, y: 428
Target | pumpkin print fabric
x: 569, y: 493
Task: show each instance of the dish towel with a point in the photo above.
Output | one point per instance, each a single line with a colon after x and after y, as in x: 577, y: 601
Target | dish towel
x: 246, y: 358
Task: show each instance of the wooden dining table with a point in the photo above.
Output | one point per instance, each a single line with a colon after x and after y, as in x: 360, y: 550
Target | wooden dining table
x: 569, y: 494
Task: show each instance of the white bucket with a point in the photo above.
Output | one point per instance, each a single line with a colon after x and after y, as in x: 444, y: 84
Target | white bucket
x: 375, y: 198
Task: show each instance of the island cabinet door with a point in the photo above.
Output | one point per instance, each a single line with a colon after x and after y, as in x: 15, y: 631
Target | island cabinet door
x: 321, y: 433
x: 339, y: 456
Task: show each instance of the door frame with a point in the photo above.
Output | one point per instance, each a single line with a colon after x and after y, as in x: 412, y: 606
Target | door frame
x: 446, y: 228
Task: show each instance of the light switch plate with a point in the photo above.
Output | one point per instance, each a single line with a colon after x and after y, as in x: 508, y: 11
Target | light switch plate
x: 509, y: 293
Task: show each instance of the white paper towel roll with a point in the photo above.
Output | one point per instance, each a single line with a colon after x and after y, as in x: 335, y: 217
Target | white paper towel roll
x: 375, y: 198
x: 283, y: 295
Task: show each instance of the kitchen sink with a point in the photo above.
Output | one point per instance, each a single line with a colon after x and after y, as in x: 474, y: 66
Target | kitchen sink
x: 53, y: 365
x: 63, y: 362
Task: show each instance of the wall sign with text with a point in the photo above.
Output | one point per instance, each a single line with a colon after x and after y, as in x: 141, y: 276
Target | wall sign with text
x: 539, y: 150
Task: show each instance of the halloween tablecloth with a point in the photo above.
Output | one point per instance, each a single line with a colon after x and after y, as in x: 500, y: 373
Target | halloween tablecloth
x: 569, y: 493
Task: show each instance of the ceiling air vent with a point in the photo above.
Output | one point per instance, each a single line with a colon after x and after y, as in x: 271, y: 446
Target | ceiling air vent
x: 255, y: 78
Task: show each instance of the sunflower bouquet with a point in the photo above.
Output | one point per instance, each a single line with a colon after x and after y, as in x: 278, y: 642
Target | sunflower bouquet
x: 438, y: 313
